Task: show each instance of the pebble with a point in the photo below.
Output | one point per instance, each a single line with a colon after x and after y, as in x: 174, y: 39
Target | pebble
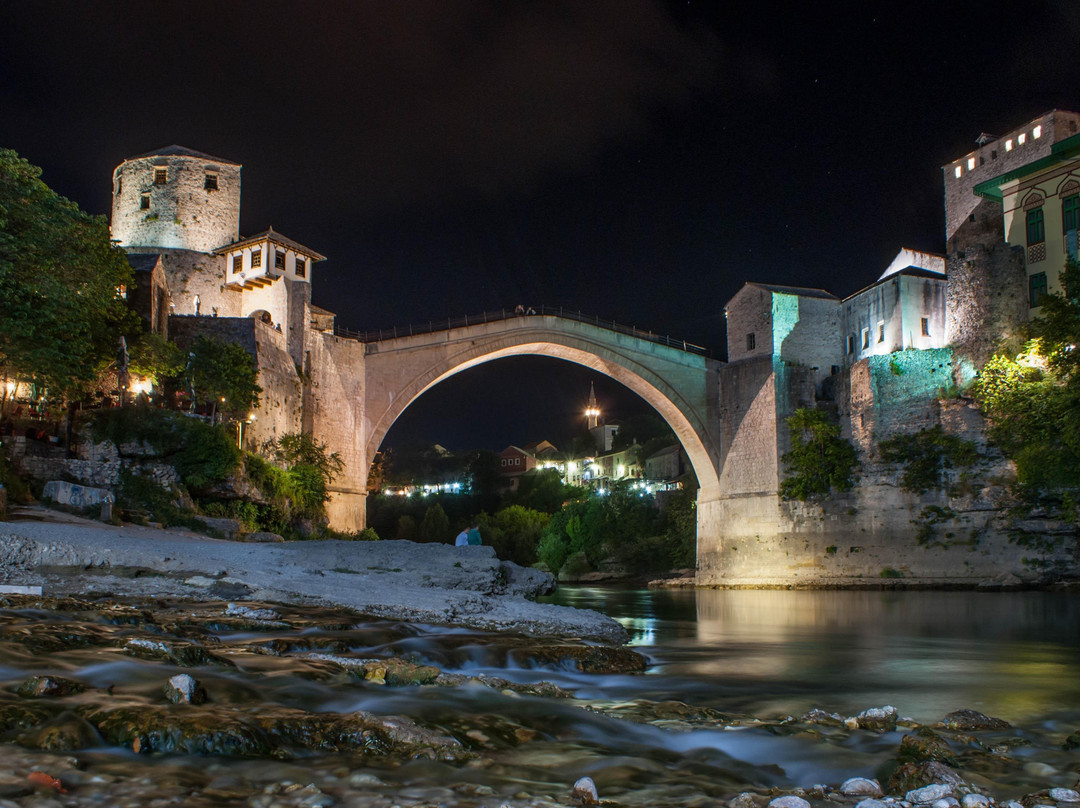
x: 870, y: 803
x: 1039, y: 769
x: 975, y: 801
x: 789, y: 802
x: 929, y: 794
x: 948, y: 802
x: 184, y: 689
x: 860, y: 787
x: 584, y: 791
x: 1064, y: 795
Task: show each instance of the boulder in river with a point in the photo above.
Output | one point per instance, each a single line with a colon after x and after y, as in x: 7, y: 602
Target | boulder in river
x: 585, y: 658
x: 970, y: 720
x: 929, y: 794
x: 879, y: 719
x: 912, y: 776
x: 584, y: 791
x: 861, y: 787
x: 184, y: 654
x: 37, y: 687
x: 184, y: 689
x: 925, y: 745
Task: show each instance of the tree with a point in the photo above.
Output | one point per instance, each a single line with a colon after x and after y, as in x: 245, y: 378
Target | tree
x: 300, y: 448
x: 222, y: 375
x: 514, y: 533
x: 819, y: 460
x: 435, y: 525
x: 62, y: 285
x: 1032, y: 398
x: 154, y: 356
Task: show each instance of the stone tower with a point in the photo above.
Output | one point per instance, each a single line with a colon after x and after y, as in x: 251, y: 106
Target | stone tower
x: 592, y: 409
x: 176, y: 198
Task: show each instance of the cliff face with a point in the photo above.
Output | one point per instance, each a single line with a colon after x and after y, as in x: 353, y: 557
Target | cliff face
x: 963, y: 533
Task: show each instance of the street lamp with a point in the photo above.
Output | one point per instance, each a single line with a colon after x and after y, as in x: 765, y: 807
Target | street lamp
x: 240, y: 429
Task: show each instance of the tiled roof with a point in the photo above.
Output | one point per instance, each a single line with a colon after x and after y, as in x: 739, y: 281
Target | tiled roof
x: 274, y: 236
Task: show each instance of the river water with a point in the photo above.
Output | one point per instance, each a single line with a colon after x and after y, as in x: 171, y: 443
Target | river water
x: 742, y: 660
x: 1015, y: 655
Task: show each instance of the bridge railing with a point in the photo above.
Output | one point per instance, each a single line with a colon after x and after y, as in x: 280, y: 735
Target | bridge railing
x: 431, y: 326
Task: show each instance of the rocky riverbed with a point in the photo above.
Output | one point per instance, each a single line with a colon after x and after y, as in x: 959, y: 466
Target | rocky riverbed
x: 154, y: 701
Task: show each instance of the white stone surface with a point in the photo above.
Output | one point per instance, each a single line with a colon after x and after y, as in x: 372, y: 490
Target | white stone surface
x: 929, y: 794
x: 861, y: 787
x: 1064, y: 795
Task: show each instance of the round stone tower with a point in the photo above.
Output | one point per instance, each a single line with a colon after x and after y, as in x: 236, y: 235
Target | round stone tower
x: 176, y: 198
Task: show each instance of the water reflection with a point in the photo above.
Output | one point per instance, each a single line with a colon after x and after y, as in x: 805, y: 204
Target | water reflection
x: 777, y: 651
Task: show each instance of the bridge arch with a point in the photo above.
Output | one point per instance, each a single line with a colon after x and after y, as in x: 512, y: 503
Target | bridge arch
x: 680, y: 386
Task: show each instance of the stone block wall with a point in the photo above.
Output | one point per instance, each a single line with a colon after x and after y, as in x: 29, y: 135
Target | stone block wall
x: 749, y: 425
x: 749, y: 312
x: 987, y: 299
x: 182, y: 213
x: 189, y: 274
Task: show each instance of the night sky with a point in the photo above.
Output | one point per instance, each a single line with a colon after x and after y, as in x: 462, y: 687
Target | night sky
x: 634, y: 159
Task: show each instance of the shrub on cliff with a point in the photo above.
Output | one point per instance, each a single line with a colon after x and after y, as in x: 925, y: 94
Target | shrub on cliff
x: 202, y: 455
x: 1032, y: 399
x: 926, y: 456
x: 820, y: 461
x: 514, y: 532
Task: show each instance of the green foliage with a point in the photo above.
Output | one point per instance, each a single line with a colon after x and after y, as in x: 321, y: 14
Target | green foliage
x: 514, y: 532
x: 926, y: 455
x: 820, y: 460
x: 406, y: 528
x: 202, y: 455
x: 300, y: 448
x: 138, y: 493
x: 1032, y: 399
x: 298, y: 492
x: 154, y: 356
x: 17, y: 490
x: 435, y: 526
x: 222, y: 375
x: 367, y: 534
x: 889, y: 572
x: 61, y: 282
x: 544, y: 490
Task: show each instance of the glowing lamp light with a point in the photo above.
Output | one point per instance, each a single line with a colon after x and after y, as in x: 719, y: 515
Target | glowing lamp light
x: 621, y: 470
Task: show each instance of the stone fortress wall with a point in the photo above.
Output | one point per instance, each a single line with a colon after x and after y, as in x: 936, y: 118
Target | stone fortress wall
x: 788, y: 348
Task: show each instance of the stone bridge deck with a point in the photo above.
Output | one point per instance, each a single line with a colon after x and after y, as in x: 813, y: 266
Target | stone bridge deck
x: 451, y: 323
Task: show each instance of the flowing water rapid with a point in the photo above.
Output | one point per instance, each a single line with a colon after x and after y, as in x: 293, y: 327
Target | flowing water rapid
x: 711, y: 716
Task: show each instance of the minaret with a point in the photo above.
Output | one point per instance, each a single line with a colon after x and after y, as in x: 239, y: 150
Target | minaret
x: 592, y: 409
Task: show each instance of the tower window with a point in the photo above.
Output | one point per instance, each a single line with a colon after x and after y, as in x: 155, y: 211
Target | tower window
x: 1008, y: 145
x: 1036, y: 132
x: 256, y: 258
x: 751, y: 342
x: 1070, y: 213
x: 851, y: 344
x: 279, y: 259
x: 144, y: 202
x: 119, y: 185
x: 926, y: 326
x: 1021, y: 139
x: 161, y: 176
x: 301, y: 267
x: 1036, y: 227
x: 210, y: 182
x: 238, y: 263
x: 866, y: 338
x: 881, y: 332
x: 1036, y: 288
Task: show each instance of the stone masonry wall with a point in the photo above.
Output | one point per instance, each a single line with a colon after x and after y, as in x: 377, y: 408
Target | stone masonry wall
x: 987, y: 299
x: 182, y: 213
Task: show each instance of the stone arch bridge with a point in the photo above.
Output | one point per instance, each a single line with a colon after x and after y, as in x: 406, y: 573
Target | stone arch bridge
x: 361, y: 385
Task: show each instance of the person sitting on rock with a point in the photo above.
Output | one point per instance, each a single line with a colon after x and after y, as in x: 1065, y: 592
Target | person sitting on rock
x: 474, y: 535
x: 462, y: 538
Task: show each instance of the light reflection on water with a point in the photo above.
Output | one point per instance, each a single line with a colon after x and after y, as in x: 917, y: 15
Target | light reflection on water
x: 769, y: 652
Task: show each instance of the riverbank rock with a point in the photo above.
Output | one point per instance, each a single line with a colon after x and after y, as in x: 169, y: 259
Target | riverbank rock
x: 930, y: 794
x: 817, y: 716
x: 970, y: 720
x: 65, y: 733
x: 37, y: 687
x: 1071, y: 742
x: 264, y: 537
x: 789, y: 801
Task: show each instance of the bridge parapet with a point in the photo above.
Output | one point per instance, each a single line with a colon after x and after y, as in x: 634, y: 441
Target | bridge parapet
x: 497, y: 315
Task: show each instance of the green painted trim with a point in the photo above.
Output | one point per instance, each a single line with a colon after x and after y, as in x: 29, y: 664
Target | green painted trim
x: 1059, y: 152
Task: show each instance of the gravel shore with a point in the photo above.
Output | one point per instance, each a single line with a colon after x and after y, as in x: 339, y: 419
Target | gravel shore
x: 429, y: 583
